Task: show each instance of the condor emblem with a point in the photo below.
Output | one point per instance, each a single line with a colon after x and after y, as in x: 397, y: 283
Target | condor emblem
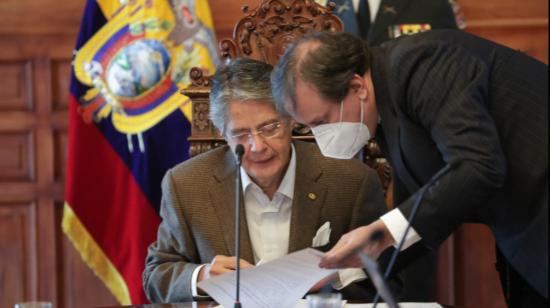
x: 136, y: 63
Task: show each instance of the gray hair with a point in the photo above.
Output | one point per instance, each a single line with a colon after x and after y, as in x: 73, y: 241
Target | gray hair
x: 239, y: 81
x: 325, y: 60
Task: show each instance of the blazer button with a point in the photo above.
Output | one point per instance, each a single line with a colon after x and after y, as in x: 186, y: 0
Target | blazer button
x: 312, y: 196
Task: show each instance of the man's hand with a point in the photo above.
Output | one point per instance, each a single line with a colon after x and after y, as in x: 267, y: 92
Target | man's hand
x: 323, y: 282
x: 343, y: 254
x: 221, y: 265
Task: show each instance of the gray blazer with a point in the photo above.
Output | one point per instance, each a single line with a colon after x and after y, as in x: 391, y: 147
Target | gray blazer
x: 198, y: 215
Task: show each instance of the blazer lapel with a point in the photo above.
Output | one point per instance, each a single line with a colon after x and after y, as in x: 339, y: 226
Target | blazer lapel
x: 387, y: 13
x: 388, y: 137
x: 222, y: 195
x: 307, y: 202
x: 390, y: 130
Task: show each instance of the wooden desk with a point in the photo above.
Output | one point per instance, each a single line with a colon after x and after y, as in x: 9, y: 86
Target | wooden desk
x: 180, y: 305
x: 197, y: 305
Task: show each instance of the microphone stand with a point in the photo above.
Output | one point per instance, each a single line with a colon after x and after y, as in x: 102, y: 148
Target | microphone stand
x: 412, y: 216
x: 239, y: 151
x: 374, y: 273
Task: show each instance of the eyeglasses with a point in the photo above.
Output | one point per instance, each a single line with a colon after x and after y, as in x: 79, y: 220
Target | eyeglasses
x: 267, y: 131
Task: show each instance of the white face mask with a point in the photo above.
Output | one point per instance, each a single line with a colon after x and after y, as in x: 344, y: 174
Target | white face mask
x: 342, y: 140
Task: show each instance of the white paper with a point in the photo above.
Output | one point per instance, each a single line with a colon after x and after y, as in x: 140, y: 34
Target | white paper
x: 401, y: 305
x: 322, y: 236
x: 303, y: 304
x: 277, y: 283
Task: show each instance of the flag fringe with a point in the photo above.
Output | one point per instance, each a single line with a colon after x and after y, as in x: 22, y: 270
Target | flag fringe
x: 93, y: 255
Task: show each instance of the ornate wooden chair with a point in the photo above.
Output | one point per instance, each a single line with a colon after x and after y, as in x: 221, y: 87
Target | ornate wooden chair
x: 263, y: 34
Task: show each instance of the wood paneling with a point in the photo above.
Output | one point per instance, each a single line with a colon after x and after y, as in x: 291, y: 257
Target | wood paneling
x: 60, y: 154
x: 18, y: 252
x: 36, y: 44
x: 16, y: 156
x: 16, y: 89
x: 476, y: 278
x: 31, y: 17
x: 61, y: 77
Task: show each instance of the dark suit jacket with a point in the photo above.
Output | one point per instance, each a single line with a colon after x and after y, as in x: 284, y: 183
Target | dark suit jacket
x: 198, y: 215
x: 448, y: 97
x: 437, y: 13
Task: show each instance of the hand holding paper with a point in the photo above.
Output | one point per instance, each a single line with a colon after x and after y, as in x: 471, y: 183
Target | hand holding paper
x: 278, y: 283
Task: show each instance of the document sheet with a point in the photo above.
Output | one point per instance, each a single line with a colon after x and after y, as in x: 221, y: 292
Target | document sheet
x: 278, y: 283
x: 303, y: 304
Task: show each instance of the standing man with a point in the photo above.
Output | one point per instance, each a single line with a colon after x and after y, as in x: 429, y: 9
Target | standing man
x: 376, y: 21
x: 435, y: 99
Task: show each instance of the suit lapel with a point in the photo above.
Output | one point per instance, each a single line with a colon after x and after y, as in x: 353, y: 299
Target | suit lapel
x: 387, y: 13
x: 389, y: 135
x: 222, y: 195
x: 390, y: 129
x: 308, y: 201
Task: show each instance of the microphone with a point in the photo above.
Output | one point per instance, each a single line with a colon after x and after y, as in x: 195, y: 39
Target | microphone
x: 411, y: 218
x: 239, y: 151
x: 378, y: 281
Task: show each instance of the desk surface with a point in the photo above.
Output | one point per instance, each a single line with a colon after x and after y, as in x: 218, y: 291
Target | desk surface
x: 197, y: 305
x: 180, y: 305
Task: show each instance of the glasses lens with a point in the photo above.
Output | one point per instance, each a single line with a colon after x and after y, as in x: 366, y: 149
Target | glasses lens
x: 270, y: 130
x: 240, y: 138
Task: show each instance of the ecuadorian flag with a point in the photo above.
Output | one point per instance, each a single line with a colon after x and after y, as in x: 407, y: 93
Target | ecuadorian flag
x: 128, y: 124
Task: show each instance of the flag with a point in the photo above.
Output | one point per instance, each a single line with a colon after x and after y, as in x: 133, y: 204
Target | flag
x: 127, y: 126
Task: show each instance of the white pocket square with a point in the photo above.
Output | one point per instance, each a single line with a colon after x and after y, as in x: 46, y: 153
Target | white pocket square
x: 322, y: 236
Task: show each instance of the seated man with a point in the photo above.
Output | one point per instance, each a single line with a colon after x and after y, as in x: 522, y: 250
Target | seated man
x: 291, y: 193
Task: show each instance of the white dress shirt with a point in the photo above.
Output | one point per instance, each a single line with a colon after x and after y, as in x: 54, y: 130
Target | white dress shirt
x: 396, y: 223
x: 269, y: 224
x: 269, y: 220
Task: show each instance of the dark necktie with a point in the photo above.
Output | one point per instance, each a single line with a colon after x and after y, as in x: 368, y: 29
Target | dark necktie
x: 363, y: 18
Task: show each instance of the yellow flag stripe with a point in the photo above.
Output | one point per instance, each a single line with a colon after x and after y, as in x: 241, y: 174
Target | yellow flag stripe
x: 94, y: 256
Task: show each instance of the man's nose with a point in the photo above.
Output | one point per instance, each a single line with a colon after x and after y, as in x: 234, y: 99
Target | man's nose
x: 257, y: 143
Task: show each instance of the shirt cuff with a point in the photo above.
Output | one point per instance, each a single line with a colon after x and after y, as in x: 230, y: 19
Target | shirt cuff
x: 194, y: 278
x: 396, y: 224
x: 347, y: 276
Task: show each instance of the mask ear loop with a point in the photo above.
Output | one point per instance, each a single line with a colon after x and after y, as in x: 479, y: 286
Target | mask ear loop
x: 341, y: 113
x: 361, y: 101
x: 361, y: 125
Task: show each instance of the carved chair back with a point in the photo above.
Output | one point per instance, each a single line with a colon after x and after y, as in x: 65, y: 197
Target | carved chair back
x: 263, y: 34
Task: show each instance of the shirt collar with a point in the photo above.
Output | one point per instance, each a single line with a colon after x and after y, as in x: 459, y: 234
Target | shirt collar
x: 287, y: 184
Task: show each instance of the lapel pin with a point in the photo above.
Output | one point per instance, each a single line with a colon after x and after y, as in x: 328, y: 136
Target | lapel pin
x: 389, y: 9
x: 312, y: 196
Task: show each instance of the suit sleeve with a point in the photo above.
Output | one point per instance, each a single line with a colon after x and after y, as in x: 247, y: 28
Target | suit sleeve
x: 168, y: 266
x: 445, y: 89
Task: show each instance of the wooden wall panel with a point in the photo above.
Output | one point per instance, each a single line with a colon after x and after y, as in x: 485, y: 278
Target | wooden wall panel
x: 31, y: 17
x: 522, y: 26
x: 16, y: 156
x: 36, y: 44
x: 60, y: 154
x: 61, y: 77
x: 17, y: 252
x: 16, y: 91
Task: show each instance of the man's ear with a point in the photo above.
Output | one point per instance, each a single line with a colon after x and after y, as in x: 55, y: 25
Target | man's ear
x: 358, y: 86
